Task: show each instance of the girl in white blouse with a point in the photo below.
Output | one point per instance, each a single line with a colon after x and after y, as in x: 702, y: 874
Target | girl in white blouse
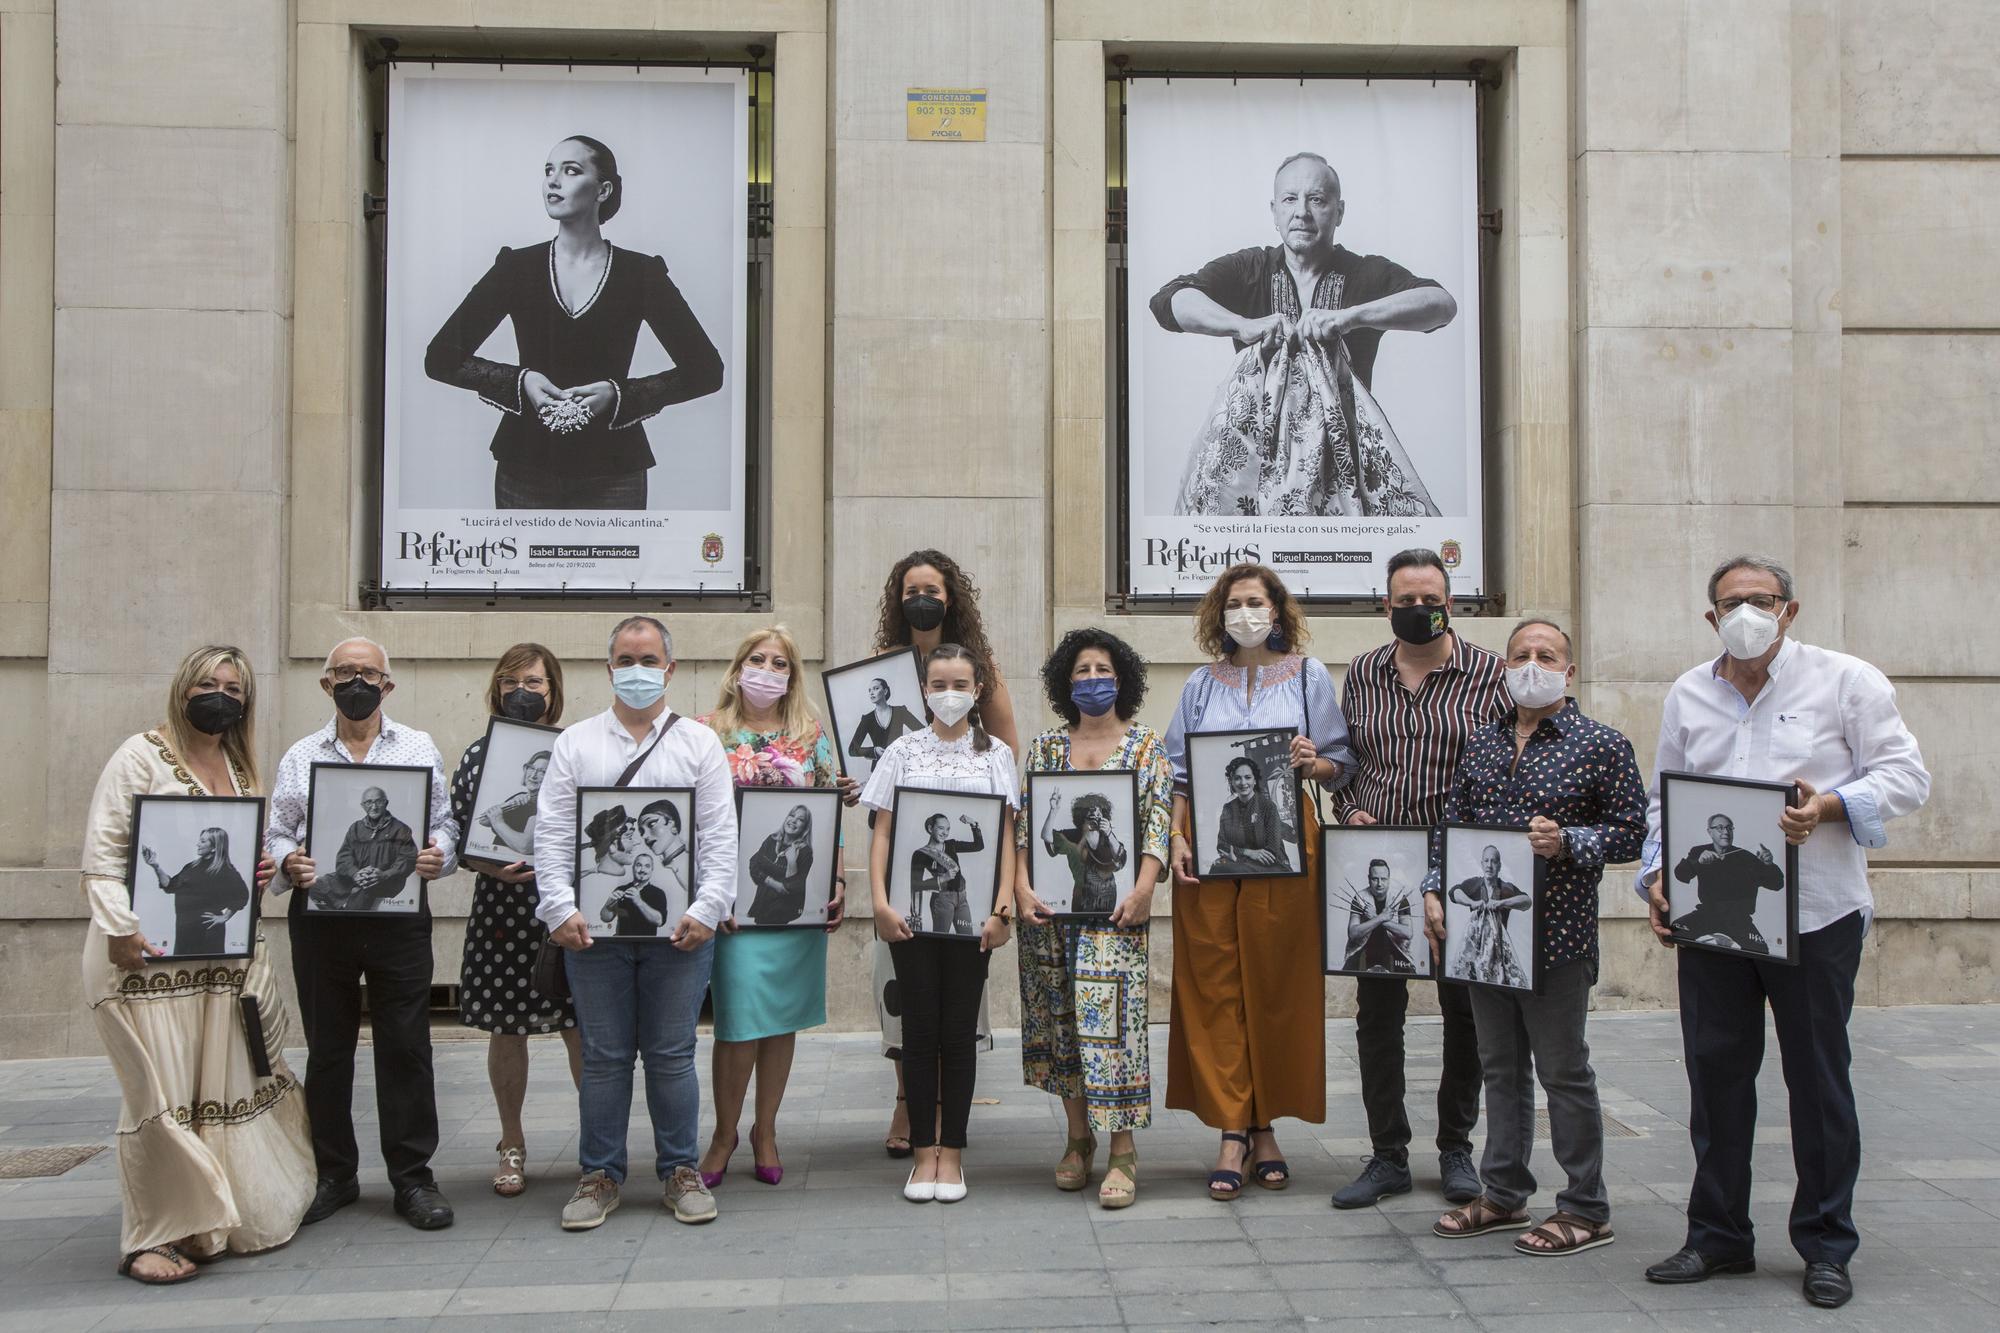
x: 941, y: 979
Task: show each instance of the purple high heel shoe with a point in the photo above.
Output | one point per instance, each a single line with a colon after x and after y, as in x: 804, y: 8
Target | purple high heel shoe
x: 769, y: 1175
x: 710, y: 1180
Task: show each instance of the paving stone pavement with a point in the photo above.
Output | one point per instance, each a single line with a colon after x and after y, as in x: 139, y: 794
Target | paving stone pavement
x: 836, y: 1247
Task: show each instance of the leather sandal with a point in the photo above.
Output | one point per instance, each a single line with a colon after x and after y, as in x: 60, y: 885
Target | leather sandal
x: 1272, y: 1173
x: 898, y: 1145
x: 512, y: 1176
x: 1114, y: 1193
x: 1565, y: 1233
x: 1477, y: 1218
x: 1069, y: 1178
x: 165, y: 1252
x: 1225, y: 1186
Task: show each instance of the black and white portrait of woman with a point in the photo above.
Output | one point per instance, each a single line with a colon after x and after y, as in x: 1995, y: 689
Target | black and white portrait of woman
x: 193, y: 863
x: 565, y: 326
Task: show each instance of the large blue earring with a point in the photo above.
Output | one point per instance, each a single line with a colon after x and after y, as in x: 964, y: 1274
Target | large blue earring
x: 1229, y: 646
x: 1277, y: 642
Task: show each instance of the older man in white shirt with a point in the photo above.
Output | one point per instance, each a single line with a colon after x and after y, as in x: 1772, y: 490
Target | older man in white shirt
x: 1775, y: 709
x: 637, y: 998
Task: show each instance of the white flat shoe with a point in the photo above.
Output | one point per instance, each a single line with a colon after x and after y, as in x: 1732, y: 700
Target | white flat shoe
x: 946, y: 1191
x: 923, y: 1191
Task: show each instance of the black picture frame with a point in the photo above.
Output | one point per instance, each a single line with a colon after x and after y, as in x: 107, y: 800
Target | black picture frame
x: 825, y: 848
x: 1742, y: 794
x: 176, y: 813
x: 1269, y: 749
x: 1042, y: 864
x: 843, y: 718
x: 907, y: 835
x: 483, y: 801
x: 1407, y: 848
x: 402, y: 776
x: 1458, y: 835
x: 593, y: 899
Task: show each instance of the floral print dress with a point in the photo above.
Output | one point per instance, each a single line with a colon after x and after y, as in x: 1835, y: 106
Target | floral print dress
x: 1083, y: 983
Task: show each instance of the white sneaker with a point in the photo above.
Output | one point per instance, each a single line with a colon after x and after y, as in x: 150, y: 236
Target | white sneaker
x: 951, y: 1191
x: 921, y: 1191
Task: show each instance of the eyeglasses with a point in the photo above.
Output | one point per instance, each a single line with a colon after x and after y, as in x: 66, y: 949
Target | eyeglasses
x: 1763, y: 601
x: 340, y: 675
x: 535, y: 683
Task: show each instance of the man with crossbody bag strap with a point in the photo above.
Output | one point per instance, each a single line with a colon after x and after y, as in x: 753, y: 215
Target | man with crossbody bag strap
x: 637, y: 999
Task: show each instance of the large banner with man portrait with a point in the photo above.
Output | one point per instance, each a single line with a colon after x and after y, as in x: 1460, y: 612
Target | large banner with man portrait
x: 1302, y: 330
x: 564, y: 373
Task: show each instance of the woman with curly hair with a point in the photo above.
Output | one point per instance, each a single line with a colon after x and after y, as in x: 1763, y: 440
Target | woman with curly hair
x: 1083, y: 982
x: 928, y: 600
x: 1248, y: 1042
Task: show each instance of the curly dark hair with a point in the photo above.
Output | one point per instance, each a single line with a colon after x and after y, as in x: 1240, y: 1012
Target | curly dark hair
x: 1080, y: 808
x: 1288, y: 620
x: 1126, y: 663
x: 962, y: 624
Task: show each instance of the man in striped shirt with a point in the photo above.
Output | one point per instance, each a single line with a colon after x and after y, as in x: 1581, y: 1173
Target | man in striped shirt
x: 1410, y: 706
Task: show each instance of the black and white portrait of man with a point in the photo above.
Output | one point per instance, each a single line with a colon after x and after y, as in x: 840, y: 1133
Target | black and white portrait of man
x: 367, y: 823
x: 1728, y: 866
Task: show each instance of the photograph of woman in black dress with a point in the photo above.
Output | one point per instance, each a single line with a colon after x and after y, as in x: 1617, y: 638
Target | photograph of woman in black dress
x: 779, y: 869
x: 1251, y: 840
x: 570, y: 433
x: 207, y: 892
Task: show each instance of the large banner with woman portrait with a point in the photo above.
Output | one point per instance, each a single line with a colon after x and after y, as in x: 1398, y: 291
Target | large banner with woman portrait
x: 1302, y: 330
x: 564, y: 373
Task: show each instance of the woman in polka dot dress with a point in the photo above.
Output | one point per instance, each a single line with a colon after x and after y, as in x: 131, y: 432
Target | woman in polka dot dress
x: 496, y: 990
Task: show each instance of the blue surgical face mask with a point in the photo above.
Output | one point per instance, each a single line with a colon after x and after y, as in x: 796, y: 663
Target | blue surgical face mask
x: 1094, y: 695
x: 638, y: 686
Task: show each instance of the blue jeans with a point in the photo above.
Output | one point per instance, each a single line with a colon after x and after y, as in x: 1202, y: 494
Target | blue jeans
x: 637, y: 998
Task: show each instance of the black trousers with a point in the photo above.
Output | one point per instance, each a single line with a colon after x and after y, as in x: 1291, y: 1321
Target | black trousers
x: 1381, y: 1003
x: 1722, y: 1031
x: 940, y: 981
x: 522, y: 488
x: 329, y: 959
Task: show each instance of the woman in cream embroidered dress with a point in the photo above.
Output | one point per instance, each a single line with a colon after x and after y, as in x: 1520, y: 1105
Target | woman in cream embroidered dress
x: 212, y: 1158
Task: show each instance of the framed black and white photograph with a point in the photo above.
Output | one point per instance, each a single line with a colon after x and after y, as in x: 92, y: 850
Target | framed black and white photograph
x: 787, y: 856
x: 365, y: 824
x: 1732, y: 879
x: 634, y: 860
x: 1492, y: 886
x: 1243, y: 798
x: 502, y: 829
x: 1083, y: 839
x: 192, y: 873
x: 870, y: 703
x: 1372, y: 877
x: 1302, y: 328
x: 944, y: 861
x: 565, y: 396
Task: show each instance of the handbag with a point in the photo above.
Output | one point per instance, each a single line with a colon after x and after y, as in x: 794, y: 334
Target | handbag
x: 551, y: 975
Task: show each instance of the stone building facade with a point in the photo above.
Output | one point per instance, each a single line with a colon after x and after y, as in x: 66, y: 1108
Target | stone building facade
x: 1745, y: 294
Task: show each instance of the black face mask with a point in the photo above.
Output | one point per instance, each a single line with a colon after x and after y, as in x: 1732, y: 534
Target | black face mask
x: 214, y: 712
x: 1418, y: 624
x: 356, y: 699
x: 921, y: 612
x: 523, y: 705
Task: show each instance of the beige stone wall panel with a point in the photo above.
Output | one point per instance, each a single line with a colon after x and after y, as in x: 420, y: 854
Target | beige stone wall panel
x: 1678, y: 240
x: 798, y: 147
x: 27, y: 112
x: 230, y: 60
x: 1920, y: 244
x: 904, y: 44
x: 24, y: 740
x: 1951, y: 720
x: 1367, y: 23
x: 89, y: 716
x: 1695, y: 75
x: 1076, y: 138
x: 1920, y: 417
x: 1908, y: 569
x: 1916, y: 76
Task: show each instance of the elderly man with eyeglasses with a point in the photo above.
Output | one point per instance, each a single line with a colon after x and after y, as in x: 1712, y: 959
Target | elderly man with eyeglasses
x: 1774, y: 709
x: 332, y: 955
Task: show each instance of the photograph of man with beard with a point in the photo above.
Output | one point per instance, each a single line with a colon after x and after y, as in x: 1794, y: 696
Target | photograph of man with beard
x: 1381, y: 926
x: 1294, y: 428
x: 1727, y: 879
x: 374, y: 862
x: 636, y: 907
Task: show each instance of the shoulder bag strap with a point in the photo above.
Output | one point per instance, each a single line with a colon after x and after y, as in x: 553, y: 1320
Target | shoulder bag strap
x: 632, y: 769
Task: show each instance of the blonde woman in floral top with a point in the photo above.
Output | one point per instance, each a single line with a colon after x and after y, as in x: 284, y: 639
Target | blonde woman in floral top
x: 766, y: 984
x: 1083, y: 982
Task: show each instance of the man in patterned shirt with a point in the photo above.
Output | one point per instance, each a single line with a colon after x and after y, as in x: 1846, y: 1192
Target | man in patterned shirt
x: 1575, y: 786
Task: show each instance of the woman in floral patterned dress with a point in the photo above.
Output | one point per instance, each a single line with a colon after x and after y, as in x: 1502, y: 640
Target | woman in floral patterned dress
x: 1083, y: 982
x: 766, y: 984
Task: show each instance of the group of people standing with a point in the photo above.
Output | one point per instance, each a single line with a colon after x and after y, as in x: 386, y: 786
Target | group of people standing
x: 1428, y: 729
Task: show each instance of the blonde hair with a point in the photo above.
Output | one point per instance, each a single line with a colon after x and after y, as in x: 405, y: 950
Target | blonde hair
x: 239, y: 743
x: 795, y: 713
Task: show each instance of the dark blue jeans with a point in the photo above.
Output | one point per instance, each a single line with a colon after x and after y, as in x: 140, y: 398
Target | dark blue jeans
x: 637, y: 999
x: 1722, y: 1030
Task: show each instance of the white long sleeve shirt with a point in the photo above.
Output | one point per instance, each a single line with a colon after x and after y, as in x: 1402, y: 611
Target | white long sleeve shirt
x: 592, y: 754
x: 285, y: 830
x: 1823, y: 716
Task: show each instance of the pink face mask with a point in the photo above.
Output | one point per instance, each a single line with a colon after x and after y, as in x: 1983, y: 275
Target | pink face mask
x: 761, y: 688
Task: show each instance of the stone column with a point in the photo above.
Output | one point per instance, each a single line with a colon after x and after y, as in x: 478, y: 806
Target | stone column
x: 172, y: 296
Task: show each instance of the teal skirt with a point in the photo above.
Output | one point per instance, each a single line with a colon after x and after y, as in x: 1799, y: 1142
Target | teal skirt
x: 767, y: 983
